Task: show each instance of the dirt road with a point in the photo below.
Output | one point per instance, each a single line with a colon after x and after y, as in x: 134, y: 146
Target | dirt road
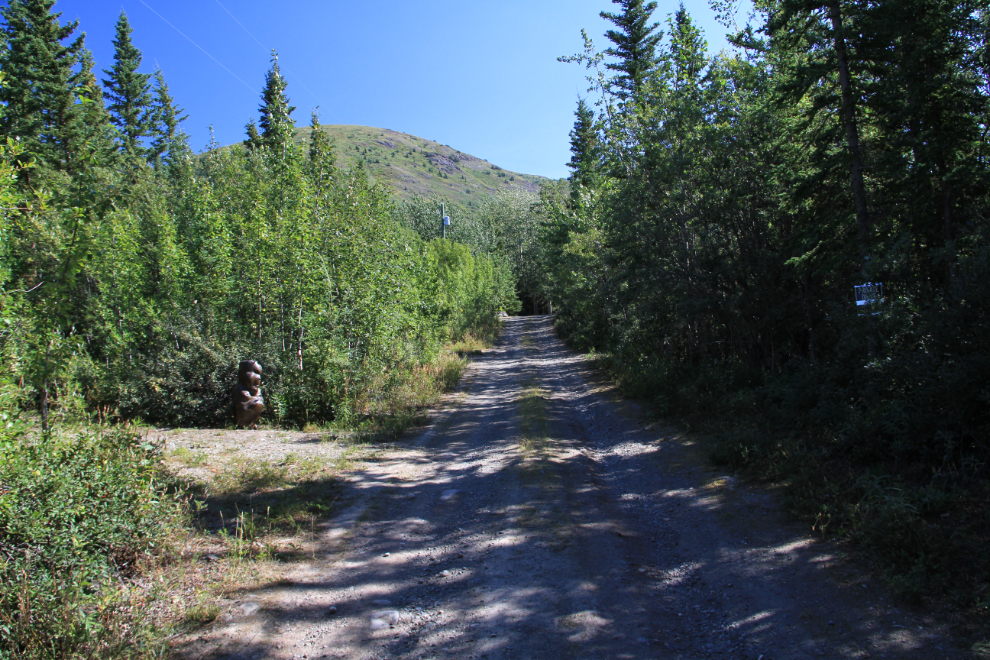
x: 538, y: 518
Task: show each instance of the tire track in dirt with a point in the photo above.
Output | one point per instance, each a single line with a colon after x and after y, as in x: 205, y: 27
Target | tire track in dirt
x: 538, y: 518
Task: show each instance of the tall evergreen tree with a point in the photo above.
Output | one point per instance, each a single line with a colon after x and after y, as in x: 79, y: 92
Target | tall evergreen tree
x: 931, y: 110
x: 813, y: 39
x: 321, y: 156
x: 167, y: 139
x: 687, y: 48
x: 276, y: 123
x: 585, y: 150
x: 41, y: 80
x: 92, y: 123
x: 129, y: 92
x: 635, y: 42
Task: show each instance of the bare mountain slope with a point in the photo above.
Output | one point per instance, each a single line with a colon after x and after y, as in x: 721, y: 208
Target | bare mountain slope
x: 416, y: 166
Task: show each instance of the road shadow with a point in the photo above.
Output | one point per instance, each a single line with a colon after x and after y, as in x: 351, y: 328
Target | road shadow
x: 607, y: 540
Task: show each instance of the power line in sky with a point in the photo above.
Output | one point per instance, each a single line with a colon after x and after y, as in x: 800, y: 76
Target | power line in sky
x: 197, y: 45
x: 294, y: 77
x: 242, y: 26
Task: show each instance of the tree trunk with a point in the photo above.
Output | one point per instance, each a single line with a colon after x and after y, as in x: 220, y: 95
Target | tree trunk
x: 44, y: 407
x: 852, y: 135
x: 301, y: 330
x: 946, y: 186
x: 809, y: 317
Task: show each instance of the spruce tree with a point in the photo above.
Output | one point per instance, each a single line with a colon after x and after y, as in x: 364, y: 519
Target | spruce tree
x: 91, y: 126
x: 816, y: 39
x: 687, y: 48
x: 167, y: 139
x: 40, y: 82
x: 129, y: 92
x: 321, y: 156
x: 635, y: 44
x: 253, y: 140
x: 585, y: 150
x: 931, y: 110
x: 276, y: 122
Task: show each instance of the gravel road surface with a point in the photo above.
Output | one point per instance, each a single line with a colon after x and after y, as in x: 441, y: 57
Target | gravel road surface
x: 540, y: 517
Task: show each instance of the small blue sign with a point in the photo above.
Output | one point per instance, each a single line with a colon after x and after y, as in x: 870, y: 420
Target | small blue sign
x: 446, y: 220
x: 869, y: 293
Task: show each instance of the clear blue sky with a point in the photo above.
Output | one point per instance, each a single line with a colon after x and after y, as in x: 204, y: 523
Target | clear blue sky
x: 481, y: 77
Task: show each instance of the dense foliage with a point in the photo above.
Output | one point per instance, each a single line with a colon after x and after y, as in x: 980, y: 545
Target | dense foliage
x: 77, y: 513
x: 137, y: 275
x: 505, y: 228
x: 722, y: 210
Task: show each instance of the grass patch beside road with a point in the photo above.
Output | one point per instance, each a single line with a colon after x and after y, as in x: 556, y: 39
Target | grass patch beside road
x: 251, y: 502
x: 470, y: 345
x: 396, y: 401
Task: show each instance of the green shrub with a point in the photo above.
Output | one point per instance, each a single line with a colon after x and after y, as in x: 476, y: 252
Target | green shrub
x: 77, y: 515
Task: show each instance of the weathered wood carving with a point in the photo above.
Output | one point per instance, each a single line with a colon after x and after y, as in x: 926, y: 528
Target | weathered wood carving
x: 248, y: 402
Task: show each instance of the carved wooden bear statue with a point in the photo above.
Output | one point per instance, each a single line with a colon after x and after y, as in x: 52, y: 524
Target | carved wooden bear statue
x: 248, y: 402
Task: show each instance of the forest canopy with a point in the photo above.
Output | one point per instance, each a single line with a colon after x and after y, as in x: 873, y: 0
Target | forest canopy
x: 792, y: 239
x: 135, y: 274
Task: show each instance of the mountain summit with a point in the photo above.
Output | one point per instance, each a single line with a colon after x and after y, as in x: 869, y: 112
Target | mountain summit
x: 416, y: 166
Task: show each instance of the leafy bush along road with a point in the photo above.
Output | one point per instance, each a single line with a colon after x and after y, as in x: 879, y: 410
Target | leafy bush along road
x: 81, y: 517
x: 536, y: 518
